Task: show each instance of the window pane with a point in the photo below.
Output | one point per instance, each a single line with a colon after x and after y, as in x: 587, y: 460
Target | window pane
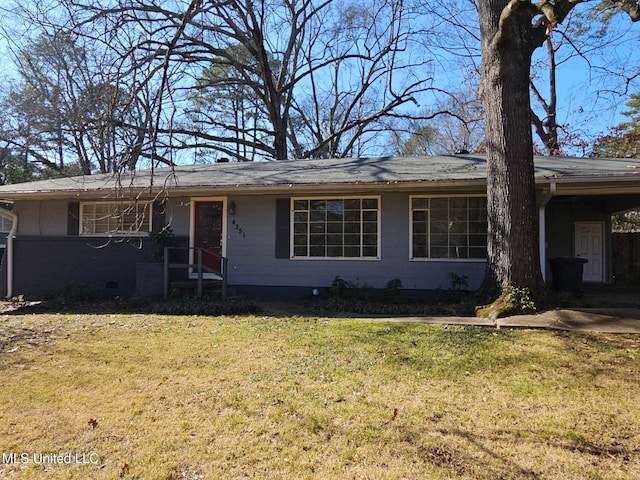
x: 352, y: 204
x: 317, y: 240
x: 369, y: 251
x: 439, y: 228
x: 352, y: 251
x: 88, y: 226
x: 458, y: 203
x: 370, y: 216
x: 439, y: 252
x: 317, y: 216
x: 420, y: 216
x: 352, y: 216
x: 369, y: 239
x: 477, y: 227
x: 439, y: 215
x: 477, y: 215
x: 439, y: 240
x: 300, y: 217
x: 317, y: 227
x: 370, y: 203
x: 419, y: 227
x: 420, y: 246
x: 300, y: 228
x: 478, y: 252
x: 352, y: 227
x: 458, y: 227
x: 301, y: 205
x: 334, y: 239
x: 352, y: 240
x: 458, y: 252
x: 318, y: 205
x: 440, y: 204
x: 300, y: 240
x: 420, y: 203
x: 334, y: 210
x: 478, y: 240
x: 101, y: 225
x: 477, y: 202
x: 370, y: 227
x: 335, y: 227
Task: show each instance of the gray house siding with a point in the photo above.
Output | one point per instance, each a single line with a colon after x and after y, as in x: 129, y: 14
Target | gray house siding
x: 53, y: 264
x: 251, y: 249
x: 42, y: 217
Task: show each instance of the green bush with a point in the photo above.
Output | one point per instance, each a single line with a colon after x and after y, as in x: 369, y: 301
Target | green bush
x: 339, y: 286
x: 520, y: 299
x: 393, y: 291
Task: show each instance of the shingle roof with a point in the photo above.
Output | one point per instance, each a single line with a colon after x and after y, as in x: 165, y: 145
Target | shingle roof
x: 435, y: 170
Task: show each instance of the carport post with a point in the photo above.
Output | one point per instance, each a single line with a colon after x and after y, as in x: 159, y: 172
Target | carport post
x: 542, y: 240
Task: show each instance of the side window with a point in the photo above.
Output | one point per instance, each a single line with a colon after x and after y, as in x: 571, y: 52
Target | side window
x: 448, y: 227
x: 115, y: 218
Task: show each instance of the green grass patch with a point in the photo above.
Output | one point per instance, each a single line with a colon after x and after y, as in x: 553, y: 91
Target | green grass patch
x: 169, y: 397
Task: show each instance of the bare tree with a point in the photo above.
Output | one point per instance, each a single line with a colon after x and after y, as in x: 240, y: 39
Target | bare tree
x: 311, y: 78
x: 65, y: 108
x: 455, y: 124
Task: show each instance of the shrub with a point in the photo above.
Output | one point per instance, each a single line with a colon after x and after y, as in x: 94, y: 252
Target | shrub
x: 393, y: 291
x: 205, y: 306
x: 339, y: 286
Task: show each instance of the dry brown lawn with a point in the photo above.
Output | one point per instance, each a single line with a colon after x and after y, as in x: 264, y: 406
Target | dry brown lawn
x: 161, y: 397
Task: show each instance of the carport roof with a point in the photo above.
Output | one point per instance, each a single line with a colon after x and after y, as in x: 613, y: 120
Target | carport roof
x: 390, y: 172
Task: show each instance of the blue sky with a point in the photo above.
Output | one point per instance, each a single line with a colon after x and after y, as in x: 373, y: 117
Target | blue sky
x: 593, y: 87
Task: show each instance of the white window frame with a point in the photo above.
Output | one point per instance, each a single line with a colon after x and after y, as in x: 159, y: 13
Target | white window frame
x: 338, y: 197
x: 118, y: 230
x: 438, y: 259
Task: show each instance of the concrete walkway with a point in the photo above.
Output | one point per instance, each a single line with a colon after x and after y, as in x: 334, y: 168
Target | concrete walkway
x: 609, y: 320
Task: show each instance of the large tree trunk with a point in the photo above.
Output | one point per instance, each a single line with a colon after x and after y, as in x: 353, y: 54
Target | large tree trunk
x: 513, y: 256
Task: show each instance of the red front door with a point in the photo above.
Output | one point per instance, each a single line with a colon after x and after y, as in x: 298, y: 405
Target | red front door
x: 208, y: 234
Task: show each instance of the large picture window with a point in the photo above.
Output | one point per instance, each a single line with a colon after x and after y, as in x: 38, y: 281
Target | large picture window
x: 336, y: 227
x: 453, y: 227
x: 115, y: 218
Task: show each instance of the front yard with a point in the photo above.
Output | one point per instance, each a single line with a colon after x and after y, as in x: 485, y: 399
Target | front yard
x: 110, y: 396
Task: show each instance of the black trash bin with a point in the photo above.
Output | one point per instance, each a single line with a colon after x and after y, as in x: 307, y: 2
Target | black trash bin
x: 567, y: 273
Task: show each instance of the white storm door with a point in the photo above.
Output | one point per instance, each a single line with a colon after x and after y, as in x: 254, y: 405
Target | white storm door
x: 590, y: 246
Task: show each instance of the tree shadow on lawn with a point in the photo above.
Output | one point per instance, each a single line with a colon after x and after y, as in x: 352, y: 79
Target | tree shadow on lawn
x: 463, y: 452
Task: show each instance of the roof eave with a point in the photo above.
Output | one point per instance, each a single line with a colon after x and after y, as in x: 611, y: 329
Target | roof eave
x: 251, y: 189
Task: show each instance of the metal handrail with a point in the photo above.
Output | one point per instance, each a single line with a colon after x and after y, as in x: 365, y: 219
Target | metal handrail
x: 200, y: 267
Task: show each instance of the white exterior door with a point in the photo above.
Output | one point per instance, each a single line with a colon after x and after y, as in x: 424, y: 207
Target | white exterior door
x: 590, y: 246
